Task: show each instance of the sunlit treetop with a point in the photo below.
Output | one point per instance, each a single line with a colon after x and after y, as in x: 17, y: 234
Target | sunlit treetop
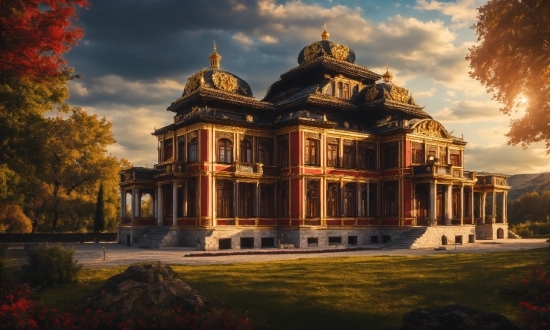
x: 34, y: 34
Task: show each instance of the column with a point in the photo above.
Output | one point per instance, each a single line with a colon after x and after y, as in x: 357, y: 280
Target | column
x: 122, y: 203
x: 159, y: 205
x: 472, y: 213
x: 494, y: 208
x: 184, y: 206
x: 482, y: 204
x: 236, y: 199
x: 258, y: 201
x: 504, y: 208
x: 174, y: 203
x: 449, y: 205
x: 341, y: 200
x: 133, y: 210
x: 138, y: 204
x: 461, y: 215
x: 433, y: 202
x: 358, y: 193
x: 414, y: 212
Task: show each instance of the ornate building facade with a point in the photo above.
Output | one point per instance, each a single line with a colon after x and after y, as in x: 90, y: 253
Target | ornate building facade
x: 334, y: 154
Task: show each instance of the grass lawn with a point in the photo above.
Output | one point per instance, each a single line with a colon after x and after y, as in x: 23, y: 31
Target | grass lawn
x: 341, y: 293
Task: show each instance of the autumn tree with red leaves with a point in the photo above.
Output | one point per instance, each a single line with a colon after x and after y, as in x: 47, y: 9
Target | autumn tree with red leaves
x: 51, y: 168
x: 34, y: 34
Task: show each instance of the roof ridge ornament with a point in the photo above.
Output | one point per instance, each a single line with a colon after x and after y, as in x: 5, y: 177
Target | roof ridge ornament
x: 325, y: 34
x: 215, y: 58
x: 387, y: 76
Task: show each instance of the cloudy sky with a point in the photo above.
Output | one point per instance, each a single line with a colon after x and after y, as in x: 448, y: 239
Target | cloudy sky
x: 136, y: 56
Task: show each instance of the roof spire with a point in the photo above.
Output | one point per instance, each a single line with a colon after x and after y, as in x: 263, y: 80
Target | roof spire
x: 215, y: 58
x: 387, y: 76
x: 325, y: 34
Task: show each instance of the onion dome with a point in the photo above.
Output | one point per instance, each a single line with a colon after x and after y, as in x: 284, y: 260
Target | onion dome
x: 216, y: 78
x: 388, y: 91
x: 326, y: 47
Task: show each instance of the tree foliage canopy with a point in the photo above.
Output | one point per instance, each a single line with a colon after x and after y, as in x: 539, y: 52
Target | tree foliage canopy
x: 512, y: 59
x: 51, y: 165
x: 35, y: 34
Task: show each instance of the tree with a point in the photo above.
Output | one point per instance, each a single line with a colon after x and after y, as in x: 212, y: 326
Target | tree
x: 99, y: 218
x: 512, y: 60
x: 34, y: 34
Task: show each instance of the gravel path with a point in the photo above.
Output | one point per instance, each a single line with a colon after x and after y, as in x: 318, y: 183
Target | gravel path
x: 91, y: 255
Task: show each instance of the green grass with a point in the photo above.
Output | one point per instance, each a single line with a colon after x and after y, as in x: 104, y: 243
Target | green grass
x: 341, y: 293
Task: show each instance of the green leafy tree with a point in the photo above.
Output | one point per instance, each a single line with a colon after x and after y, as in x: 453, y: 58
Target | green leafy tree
x: 99, y: 218
x: 512, y: 59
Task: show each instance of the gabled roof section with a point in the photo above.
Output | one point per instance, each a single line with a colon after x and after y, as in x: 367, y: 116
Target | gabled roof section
x: 203, y: 96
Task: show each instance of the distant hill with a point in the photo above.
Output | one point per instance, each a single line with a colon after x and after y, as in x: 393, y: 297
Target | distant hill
x: 524, y: 183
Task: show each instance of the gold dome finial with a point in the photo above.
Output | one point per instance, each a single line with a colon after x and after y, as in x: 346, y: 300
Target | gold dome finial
x: 387, y: 76
x: 215, y: 58
x: 325, y: 34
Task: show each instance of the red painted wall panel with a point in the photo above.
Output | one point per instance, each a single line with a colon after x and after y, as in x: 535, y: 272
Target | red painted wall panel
x: 205, y: 146
x: 349, y: 222
x: 247, y: 222
x: 313, y: 171
x: 267, y: 222
x: 407, y: 196
x: 296, y: 197
x: 205, y: 201
x: 408, y: 153
x: 332, y: 222
x: 295, y: 148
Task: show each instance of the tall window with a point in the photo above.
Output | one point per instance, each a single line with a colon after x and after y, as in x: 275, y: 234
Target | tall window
x: 367, y: 156
x: 266, y: 200
x: 312, y: 152
x: 168, y: 151
x: 350, y: 200
x: 192, y: 150
x: 390, y: 198
x: 339, y: 90
x: 282, y: 153
x: 349, y: 156
x: 332, y: 200
x: 283, y: 200
x: 312, y: 199
x: 373, y: 200
x: 225, y: 151
x: 246, y: 151
x: 247, y: 199
x: 265, y: 152
x: 332, y: 154
x: 192, y: 198
x: 455, y: 158
x: 456, y: 203
x: 224, y: 194
x: 181, y: 148
x: 417, y: 153
x: 389, y: 155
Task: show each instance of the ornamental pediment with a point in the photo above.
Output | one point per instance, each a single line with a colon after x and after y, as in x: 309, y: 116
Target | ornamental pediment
x: 431, y: 128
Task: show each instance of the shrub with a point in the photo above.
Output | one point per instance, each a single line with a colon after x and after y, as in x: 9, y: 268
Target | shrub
x: 50, y: 265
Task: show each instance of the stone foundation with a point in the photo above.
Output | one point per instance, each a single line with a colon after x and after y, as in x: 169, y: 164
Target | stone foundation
x: 437, y: 235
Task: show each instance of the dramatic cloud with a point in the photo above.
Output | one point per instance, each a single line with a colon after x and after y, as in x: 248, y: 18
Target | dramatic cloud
x: 462, y: 12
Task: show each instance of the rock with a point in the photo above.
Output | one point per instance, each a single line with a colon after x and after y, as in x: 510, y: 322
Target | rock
x: 455, y: 317
x: 146, y: 286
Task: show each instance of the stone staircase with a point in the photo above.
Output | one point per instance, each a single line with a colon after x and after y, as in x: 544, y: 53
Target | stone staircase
x: 153, y: 239
x: 407, y: 238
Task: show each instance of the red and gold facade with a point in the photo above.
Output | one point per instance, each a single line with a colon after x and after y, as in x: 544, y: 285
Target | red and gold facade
x: 328, y: 157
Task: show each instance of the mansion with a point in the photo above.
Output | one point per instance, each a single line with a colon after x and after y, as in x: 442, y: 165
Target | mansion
x: 334, y: 154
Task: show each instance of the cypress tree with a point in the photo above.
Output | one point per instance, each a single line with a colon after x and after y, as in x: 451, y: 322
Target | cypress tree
x: 99, y: 219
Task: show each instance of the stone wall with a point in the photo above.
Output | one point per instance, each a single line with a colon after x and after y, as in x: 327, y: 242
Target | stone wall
x: 491, y: 231
x: 433, y: 236
x: 134, y: 232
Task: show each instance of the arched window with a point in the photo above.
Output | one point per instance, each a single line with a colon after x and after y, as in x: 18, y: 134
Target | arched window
x: 246, y: 151
x: 225, y: 151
